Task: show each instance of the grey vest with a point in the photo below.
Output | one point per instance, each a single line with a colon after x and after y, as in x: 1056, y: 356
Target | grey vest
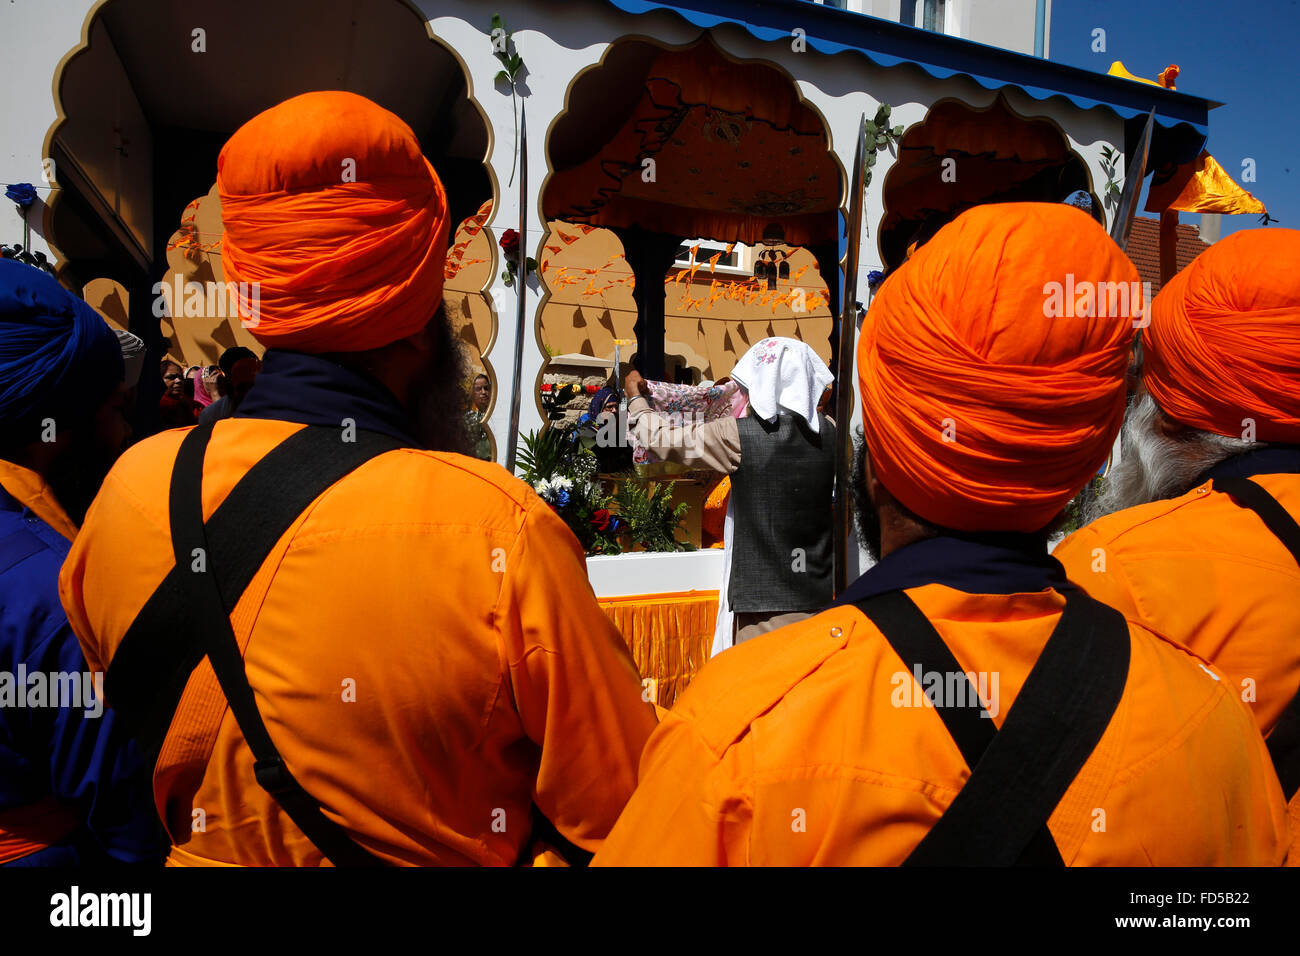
x: 781, y: 558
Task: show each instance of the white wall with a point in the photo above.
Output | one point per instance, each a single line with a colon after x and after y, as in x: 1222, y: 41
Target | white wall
x: 34, y: 36
x: 1005, y: 23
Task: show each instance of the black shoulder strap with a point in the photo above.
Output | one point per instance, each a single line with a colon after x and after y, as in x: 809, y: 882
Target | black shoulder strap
x: 188, y: 616
x: 1018, y: 774
x: 1284, y: 739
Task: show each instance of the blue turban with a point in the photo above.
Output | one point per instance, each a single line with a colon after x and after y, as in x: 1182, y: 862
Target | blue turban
x: 599, y: 399
x: 57, y: 354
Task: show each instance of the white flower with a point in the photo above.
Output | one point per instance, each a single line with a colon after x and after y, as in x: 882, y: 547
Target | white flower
x: 546, y: 490
x: 561, y: 483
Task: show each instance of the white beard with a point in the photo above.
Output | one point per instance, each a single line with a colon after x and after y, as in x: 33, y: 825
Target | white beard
x: 1153, y: 466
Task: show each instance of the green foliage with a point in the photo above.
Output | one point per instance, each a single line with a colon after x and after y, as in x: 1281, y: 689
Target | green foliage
x: 514, y: 65
x: 1110, y: 164
x: 541, y: 455
x: 563, y: 472
x: 562, y: 469
x: 879, y: 135
x: 651, y: 518
x: 508, y: 277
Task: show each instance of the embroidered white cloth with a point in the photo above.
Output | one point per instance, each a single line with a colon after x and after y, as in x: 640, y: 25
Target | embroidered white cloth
x: 783, y: 373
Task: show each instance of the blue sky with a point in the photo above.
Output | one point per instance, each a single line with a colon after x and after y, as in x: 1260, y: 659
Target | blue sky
x: 1244, y: 54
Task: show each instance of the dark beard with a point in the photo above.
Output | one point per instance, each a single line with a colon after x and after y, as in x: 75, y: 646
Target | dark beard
x: 75, y: 477
x: 865, y: 518
x: 437, y: 402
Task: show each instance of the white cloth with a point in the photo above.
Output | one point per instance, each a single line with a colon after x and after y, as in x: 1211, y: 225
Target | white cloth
x: 724, y: 632
x: 783, y: 373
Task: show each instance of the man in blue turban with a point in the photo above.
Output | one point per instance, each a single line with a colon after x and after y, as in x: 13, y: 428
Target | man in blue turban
x: 73, y: 788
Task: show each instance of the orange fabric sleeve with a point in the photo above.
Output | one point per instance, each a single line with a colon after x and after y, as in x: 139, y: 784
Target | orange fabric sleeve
x: 576, y: 689
x: 689, y: 808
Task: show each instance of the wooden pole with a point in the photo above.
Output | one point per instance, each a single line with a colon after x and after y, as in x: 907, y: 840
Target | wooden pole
x: 1168, y: 245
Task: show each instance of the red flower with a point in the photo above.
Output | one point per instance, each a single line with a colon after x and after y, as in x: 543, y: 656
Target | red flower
x: 509, y: 242
x: 601, y: 519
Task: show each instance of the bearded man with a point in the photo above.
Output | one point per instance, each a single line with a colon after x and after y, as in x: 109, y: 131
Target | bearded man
x: 962, y: 702
x: 1195, y: 534
x: 416, y: 665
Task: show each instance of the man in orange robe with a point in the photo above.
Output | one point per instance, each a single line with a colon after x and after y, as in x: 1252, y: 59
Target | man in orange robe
x: 1178, y: 544
x: 833, y: 742
x: 422, y: 644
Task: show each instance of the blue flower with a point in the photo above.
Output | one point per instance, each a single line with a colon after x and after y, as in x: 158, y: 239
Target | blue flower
x: 24, y: 194
x: 562, y: 499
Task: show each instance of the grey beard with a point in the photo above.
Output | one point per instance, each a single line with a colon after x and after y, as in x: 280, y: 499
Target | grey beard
x: 1153, y: 466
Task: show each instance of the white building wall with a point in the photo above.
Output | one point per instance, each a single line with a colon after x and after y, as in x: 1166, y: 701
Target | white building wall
x: 1005, y: 23
x: 35, y: 35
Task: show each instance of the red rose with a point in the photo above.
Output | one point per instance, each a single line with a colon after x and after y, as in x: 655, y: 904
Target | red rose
x: 600, y: 518
x: 510, y: 242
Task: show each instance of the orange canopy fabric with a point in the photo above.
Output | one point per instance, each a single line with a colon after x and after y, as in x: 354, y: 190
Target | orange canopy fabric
x: 1200, y: 186
x: 343, y: 226
x: 1223, y: 349
x: 734, y: 150
x: 992, y: 388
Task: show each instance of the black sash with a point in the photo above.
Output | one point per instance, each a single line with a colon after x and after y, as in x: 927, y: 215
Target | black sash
x: 188, y: 616
x: 1020, y: 773
x: 1284, y: 740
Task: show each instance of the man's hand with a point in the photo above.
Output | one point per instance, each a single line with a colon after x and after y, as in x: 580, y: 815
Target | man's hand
x: 632, y: 384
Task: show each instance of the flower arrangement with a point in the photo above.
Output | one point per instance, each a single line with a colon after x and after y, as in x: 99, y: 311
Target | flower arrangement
x: 563, y: 473
x: 561, y: 468
x: 651, y: 517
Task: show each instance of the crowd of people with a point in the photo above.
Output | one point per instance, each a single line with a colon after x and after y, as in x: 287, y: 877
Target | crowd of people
x: 327, y: 632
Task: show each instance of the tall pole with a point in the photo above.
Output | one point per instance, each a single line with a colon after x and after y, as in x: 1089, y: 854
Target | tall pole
x: 521, y: 291
x: 843, y: 518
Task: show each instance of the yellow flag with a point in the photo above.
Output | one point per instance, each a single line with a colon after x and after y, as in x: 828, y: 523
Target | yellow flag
x: 1201, y: 186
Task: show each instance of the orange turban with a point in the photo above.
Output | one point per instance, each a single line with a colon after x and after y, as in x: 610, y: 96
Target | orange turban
x: 992, y: 388
x: 331, y: 208
x: 1224, y: 341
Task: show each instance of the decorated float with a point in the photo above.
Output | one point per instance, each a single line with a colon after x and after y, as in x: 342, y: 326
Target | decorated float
x: 634, y: 182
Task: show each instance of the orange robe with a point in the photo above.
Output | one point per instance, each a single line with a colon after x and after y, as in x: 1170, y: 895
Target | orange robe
x: 424, y: 645
x: 789, y: 750
x: 1207, y: 572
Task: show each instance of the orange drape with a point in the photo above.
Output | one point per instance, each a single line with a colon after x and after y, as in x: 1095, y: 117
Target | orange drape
x: 669, y: 635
